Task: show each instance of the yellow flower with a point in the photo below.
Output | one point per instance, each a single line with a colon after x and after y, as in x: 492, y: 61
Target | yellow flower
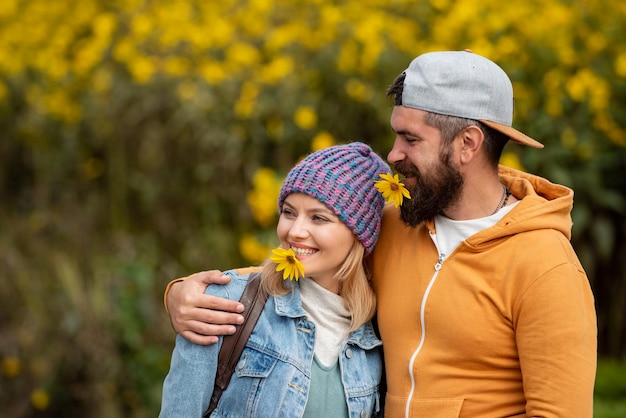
x: 322, y: 140
x: 305, y: 117
x: 11, y: 366
x: 40, y: 399
x: 287, y: 261
x: 510, y: 159
x: 262, y: 198
x: 392, y: 189
x: 252, y: 249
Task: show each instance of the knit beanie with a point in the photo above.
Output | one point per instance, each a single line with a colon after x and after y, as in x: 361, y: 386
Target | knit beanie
x: 342, y: 177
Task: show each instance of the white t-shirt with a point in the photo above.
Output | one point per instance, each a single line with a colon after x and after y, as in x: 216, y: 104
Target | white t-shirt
x: 451, y: 233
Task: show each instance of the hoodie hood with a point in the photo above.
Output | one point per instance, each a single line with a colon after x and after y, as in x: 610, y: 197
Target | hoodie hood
x: 543, y: 205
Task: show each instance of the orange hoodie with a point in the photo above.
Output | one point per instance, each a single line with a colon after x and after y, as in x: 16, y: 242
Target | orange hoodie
x: 505, y: 327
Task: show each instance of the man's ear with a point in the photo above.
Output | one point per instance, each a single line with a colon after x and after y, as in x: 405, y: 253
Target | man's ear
x: 471, y: 141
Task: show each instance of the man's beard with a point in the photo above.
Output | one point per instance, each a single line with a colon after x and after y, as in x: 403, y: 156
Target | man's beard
x: 429, y: 196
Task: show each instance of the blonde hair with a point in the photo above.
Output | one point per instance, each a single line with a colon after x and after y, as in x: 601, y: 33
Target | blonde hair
x: 355, y: 285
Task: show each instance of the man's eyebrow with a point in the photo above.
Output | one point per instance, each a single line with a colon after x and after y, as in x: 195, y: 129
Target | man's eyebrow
x: 405, y: 132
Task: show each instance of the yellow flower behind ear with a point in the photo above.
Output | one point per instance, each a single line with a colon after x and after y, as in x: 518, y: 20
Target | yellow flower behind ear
x: 288, y: 263
x: 391, y: 189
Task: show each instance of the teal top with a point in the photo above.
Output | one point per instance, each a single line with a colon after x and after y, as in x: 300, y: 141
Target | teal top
x: 326, y: 395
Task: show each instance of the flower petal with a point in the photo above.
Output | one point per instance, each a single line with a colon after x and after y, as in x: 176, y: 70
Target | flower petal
x: 288, y: 263
x: 392, y: 189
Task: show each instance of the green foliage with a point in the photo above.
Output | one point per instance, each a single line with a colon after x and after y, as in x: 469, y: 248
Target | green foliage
x: 131, y: 132
x: 84, y: 335
x: 610, y: 389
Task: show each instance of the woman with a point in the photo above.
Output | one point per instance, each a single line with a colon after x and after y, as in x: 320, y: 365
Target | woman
x: 313, y: 352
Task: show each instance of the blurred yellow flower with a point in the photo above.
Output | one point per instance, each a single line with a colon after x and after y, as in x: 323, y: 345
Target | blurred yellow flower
x: 578, y: 85
x: 104, y: 24
x: 61, y: 105
x: 124, y: 49
x: 262, y: 199
x: 620, y: 65
x: 213, y: 72
x: 305, y: 117
x: 252, y: 250
x: 605, y: 123
x: 11, y: 366
x: 358, y: 90
x: 322, y: 140
x: 553, y: 106
x: 568, y: 138
x: 141, y: 25
x: 392, y: 190
x: 348, y: 56
x: 87, y: 57
x: 247, y: 100
x: 510, y: 159
x: 276, y: 70
x: 141, y: 68
x: 278, y: 38
x: 369, y: 34
x: 440, y: 4
x: 7, y: 7
x: 287, y: 262
x: 177, y: 66
x: 585, y: 84
x: 241, y: 54
x: 222, y: 32
x: 40, y: 399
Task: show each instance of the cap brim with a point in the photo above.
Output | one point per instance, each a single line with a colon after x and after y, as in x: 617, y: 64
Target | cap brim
x: 514, y: 134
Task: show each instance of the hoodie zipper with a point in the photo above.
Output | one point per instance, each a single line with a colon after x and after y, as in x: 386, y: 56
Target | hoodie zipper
x: 439, y: 262
x: 437, y: 268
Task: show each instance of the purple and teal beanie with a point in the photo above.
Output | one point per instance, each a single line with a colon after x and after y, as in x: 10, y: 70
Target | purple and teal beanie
x: 342, y: 177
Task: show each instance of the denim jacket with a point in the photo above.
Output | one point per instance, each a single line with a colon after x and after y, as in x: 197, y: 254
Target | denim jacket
x: 273, y: 375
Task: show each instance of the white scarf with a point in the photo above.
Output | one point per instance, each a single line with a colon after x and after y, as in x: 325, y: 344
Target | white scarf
x: 328, y: 312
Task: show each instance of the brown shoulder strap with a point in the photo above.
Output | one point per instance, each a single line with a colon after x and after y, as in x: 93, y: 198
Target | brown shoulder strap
x: 253, y: 299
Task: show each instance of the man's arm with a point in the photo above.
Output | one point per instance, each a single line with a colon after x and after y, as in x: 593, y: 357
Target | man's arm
x: 198, y: 317
x: 557, y: 344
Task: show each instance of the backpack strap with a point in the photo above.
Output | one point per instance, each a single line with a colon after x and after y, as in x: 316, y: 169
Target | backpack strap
x: 253, y: 299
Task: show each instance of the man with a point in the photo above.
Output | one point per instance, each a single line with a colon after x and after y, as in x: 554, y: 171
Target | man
x: 483, y: 307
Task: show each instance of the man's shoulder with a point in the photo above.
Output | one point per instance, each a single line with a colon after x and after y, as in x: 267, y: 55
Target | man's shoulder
x: 245, y: 271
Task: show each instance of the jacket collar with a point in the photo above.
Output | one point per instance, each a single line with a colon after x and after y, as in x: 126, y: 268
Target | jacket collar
x: 290, y: 305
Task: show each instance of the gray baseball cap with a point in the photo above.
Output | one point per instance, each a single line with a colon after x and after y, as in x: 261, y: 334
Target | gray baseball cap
x: 466, y: 85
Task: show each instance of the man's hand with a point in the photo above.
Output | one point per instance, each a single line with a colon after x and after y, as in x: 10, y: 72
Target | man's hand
x: 198, y: 317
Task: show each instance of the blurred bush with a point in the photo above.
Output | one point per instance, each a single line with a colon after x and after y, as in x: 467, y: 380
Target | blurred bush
x: 610, y: 389
x: 145, y: 140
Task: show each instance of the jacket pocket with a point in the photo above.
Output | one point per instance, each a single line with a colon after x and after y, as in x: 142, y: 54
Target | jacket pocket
x: 255, y: 364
